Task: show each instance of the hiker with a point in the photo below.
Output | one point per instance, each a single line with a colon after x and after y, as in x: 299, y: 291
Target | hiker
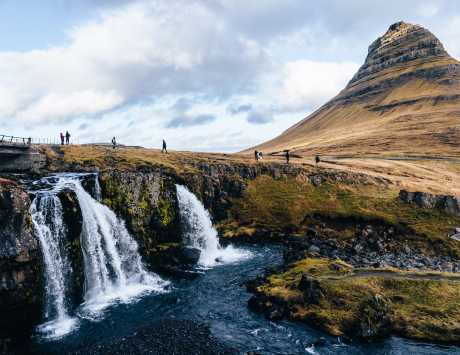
x: 287, y: 156
x: 256, y: 155
x: 114, y: 143
x: 62, y: 138
x: 164, y: 150
x: 261, y: 156
x: 317, y: 159
x: 67, y: 137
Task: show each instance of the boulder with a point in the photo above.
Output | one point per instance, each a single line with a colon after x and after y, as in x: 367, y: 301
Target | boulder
x: 374, y: 318
x: 311, y: 289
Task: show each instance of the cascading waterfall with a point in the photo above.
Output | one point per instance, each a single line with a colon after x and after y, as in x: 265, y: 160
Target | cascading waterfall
x: 97, y: 189
x: 113, y: 268
x: 46, y: 212
x: 201, y: 234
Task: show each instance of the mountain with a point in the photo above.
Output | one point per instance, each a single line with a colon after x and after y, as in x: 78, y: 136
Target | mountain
x: 405, y: 99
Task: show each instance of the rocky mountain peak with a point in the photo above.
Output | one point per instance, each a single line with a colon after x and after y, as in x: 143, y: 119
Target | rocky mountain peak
x: 402, y: 43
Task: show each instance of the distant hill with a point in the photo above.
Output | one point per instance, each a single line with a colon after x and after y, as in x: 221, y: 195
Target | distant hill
x: 405, y: 99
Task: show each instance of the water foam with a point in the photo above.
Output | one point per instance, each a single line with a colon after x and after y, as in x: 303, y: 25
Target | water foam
x: 201, y: 234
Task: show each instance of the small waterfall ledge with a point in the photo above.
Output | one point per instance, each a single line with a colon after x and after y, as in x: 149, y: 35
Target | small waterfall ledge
x: 200, y: 233
x: 113, y: 269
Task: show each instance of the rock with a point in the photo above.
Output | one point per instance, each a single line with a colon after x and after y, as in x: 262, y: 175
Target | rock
x: 374, y: 318
x: 311, y: 289
x: 314, y: 249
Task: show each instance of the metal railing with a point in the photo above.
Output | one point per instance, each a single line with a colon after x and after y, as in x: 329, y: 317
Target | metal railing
x: 23, y: 141
x: 12, y: 140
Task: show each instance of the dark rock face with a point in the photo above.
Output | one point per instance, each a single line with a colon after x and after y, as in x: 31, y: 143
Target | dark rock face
x: 147, y: 202
x: 311, y: 289
x: 20, y: 260
x: 402, y: 43
x: 448, y: 204
x: 374, y: 321
x: 73, y: 221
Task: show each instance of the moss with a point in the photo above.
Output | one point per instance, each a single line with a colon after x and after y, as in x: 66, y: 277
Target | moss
x: 166, y: 211
x: 426, y: 306
x: 283, y: 205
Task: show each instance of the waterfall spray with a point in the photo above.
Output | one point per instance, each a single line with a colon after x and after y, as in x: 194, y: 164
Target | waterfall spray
x: 201, y: 234
x: 113, y: 268
x: 46, y: 212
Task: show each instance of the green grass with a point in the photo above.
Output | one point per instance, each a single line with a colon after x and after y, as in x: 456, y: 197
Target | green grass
x: 283, y: 205
x: 421, y: 309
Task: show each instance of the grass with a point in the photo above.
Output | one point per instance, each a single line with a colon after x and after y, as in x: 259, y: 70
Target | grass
x: 423, y: 309
x: 283, y: 205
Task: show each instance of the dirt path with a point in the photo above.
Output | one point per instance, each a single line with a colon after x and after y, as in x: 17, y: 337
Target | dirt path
x: 428, y: 276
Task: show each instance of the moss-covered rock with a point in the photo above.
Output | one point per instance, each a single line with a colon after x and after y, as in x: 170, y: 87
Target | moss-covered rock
x: 365, y: 303
x: 147, y: 202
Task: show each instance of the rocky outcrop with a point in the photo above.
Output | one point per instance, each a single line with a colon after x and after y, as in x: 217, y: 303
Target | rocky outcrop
x: 147, y: 202
x: 445, y: 203
x: 20, y: 260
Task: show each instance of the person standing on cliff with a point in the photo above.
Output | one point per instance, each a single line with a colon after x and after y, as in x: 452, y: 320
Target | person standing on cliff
x: 114, y: 143
x: 67, y: 137
x: 256, y: 155
x: 62, y: 138
x: 287, y: 156
x: 164, y: 150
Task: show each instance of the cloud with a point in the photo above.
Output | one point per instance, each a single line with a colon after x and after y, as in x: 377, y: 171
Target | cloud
x: 236, y: 109
x: 146, y: 69
x: 188, y: 121
x: 258, y: 117
x: 309, y: 84
x: 134, y: 52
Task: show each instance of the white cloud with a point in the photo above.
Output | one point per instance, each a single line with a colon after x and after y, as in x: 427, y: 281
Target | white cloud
x: 309, y: 84
x: 135, y: 52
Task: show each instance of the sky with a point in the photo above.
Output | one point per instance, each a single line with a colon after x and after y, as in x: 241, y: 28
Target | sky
x: 205, y: 75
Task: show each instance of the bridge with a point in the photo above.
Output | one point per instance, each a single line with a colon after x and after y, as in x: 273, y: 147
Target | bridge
x: 18, y: 154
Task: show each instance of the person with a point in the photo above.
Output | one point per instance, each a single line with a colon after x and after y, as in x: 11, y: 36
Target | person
x: 287, y: 156
x: 317, y: 159
x: 62, y: 138
x: 164, y: 150
x: 256, y: 155
x: 261, y: 156
x: 67, y: 137
x: 114, y: 143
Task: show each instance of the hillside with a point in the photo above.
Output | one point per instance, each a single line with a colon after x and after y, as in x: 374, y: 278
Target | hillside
x: 404, y: 100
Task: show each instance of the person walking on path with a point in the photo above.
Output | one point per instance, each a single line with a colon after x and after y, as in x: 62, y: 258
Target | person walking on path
x: 256, y: 155
x: 62, y: 138
x: 163, y: 149
x: 114, y: 143
x: 67, y: 137
x: 287, y: 156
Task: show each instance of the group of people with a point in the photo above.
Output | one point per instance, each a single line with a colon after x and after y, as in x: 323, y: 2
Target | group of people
x: 65, y: 137
x: 163, y: 149
x: 258, y: 156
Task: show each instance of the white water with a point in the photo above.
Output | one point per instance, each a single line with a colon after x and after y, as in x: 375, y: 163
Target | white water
x: 201, y: 234
x: 113, y: 268
x: 97, y: 189
x: 46, y: 212
x: 114, y: 271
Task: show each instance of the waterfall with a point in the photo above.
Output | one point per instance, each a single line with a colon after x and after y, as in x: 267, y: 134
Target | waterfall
x: 97, y: 188
x: 46, y: 212
x: 200, y: 233
x: 113, y: 269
